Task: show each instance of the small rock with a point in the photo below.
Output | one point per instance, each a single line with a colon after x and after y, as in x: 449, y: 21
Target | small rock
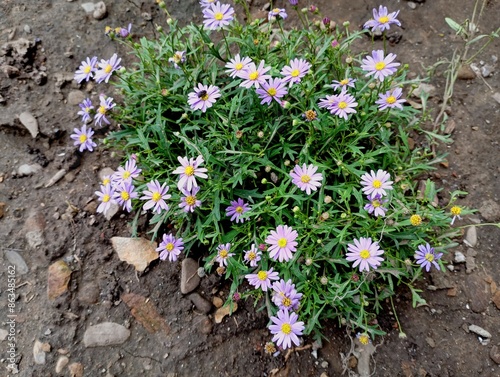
x: 76, y: 370
x: 205, y: 325
x: 61, y: 363
x: 88, y: 7
x: 452, y: 292
x: 27, y: 29
x: 477, y: 291
x: 471, y: 236
x: 30, y: 122
x: 105, y: 334
x: 189, y: 275
x: 470, y: 261
x: 217, y: 301
x: 58, y: 279
x: 479, y: 331
x: 412, y: 5
x: 225, y: 310
x: 138, y: 252
x: 324, y: 364
x: 490, y: 210
x: 496, y: 299
x: 465, y: 72
x: 75, y: 97
x: 33, y: 228
x: 428, y: 89
x: 202, y: 304
x: 28, y: 169
x: 352, y: 362
x: 89, y: 293
x: 100, y: 11
x: 430, y: 342
x: 459, y: 257
x: 450, y: 267
x: 55, y: 178
x: 495, y: 354
x: 146, y: 313
x: 487, y: 70
x: 3, y: 334
x: 496, y: 96
x: 17, y: 260
x: 91, y: 207
x: 105, y: 172
x: 112, y: 211
x: 38, y: 353
x: 146, y: 16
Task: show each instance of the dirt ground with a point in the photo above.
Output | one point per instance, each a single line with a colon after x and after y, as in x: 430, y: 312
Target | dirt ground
x: 46, y: 225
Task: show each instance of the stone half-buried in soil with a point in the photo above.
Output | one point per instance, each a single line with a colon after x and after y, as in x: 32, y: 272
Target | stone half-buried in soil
x: 138, y: 252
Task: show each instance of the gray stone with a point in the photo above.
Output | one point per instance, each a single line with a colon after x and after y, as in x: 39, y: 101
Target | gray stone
x: 33, y: 228
x: 27, y: 29
x: 38, y: 353
x: 18, y: 261
x: 61, y: 363
x: 471, y: 236
x: 105, y: 334
x: 495, y: 354
x: 479, y: 331
x: 112, y: 211
x: 28, y: 169
x: 75, y: 97
x: 105, y: 172
x: 100, y: 11
x: 478, y: 292
x: 88, y: 7
x: 189, y: 275
x: 487, y: 70
x: 202, y: 304
x: 490, y: 210
x: 30, y: 122
x: 422, y: 88
x: 3, y: 334
x: 496, y: 96
x: 459, y: 257
x: 412, y: 5
x: 89, y: 294
x: 470, y: 261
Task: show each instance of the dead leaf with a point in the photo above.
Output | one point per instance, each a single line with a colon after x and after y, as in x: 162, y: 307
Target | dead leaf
x: 58, y: 279
x: 138, y: 252
x: 145, y: 312
x: 225, y: 310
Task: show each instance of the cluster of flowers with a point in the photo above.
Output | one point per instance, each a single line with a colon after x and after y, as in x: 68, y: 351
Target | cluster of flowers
x: 118, y: 31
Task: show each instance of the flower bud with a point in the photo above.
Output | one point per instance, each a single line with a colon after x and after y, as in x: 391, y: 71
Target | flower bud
x: 335, y: 43
x: 343, y: 215
x: 325, y: 216
x: 323, y: 280
x: 317, y: 23
x: 328, y: 199
x: 268, y: 169
x: 348, y: 60
x: 346, y: 24
x: 309, y: 261
x: 159, y: 29
x: 295, y: 123
x: 304, y: 10
x: 372, y: 85
x: 264, y: 181
x: 296, y: 209
x: 184, y: 116
x: 268, y: 197
x: 260, y: 134
x: 286, y: 163
x: 122, y: 70
x: 286, y: 104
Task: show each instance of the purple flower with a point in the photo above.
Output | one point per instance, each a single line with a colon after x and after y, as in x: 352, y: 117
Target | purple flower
x: 106, y: 104
x: 390, y: 99
x: 365, y: 253
x: 107, y: 67
x: 170, y: 247
x: 282, y: 243
x: 382, y: 20
x: 85, y: 107
x: 277, y: 13
x: 293, y: 2
x: 127, y: 173
x: 252, y: 256
x: 376, y: 184
x: 425, y: 256
x: 262, y: 279
x: 84, y: 72
x: 189, y: 201
x: 203, y: 97
x: 285, y: 296
x: 274, y: 89
x: 124, y: 33
x: 378, y: 65
x: 306, y: 178
x: 236, y: 209
x: 217, y: 15
x: 178, y: 58
x: 343, y: 84
x: 124, y: 194
x: 206, y: 3
x: 254, y: 75
x: 105, y: 197
x: 237, y: 65
x: 376, y: 205
x: 344, y: 105
x: 156, y: 196
x: 189, y: 171
x: 83, y: 138
x: 286, y: 328
x: 223, y: 253
x: 328, y: 102
x: 297, y: 69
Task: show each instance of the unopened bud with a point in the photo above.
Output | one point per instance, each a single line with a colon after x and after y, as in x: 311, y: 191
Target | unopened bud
x: 348, y: 60
x: 122, y: 70
x: 286, y: 163
x: 323, y: 280
x: 264, y: 181
x: 295, y: 123
x: 159, y: 29
x: 328, y: 199
x: 309, y: 261
x: 325, y: 216
x: 260, y: 134
x: 286, y: 104
x: 296, y: 209
x: 372, y: 85
x: 268, y: 169
x: 184, y: 116
x: 346, y: 24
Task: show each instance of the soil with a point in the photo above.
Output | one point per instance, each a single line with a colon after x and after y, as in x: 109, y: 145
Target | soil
x: 45, y: 225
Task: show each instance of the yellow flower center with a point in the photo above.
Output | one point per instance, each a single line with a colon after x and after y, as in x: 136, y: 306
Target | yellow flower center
x: 169, y: 246
x: 189, y: 170
x: 218, y: 16
x: 126, y: 174
x: 287, y: 302
x: 455, y: 210
x: 383, y: 20
x: 305, y: 178
x: 344, y: 82
x: 429, y: 257
x: 106, y: 181
x: 204, y: 97
x: 254, y: 75
x: 262, y: 275
x: 223, y: 253
x: 342, y: 105
x: 380, y: 66
x: 251, y: 255
x: 365, y: 254
x: 310, y: 115
x: 416, y: 220
x: 87, y: 109
x: 238, y: 66
x: 390, y: 100
x: 83, y: 138
x: 377, y: 184
x: 239, y: 209
x: 117, y: 30
x: 191, y: 200
x: 108, y: 68
x: 376, y: 203
x: 87, y: 69
x: 276, y: 10
x: 272, y: 91
x: 106, y: 198
x: 282, y: 242
x: 364, y: 339
x: 156, y: 196
x: 102, y: 110
x: 286, y: 328
x: 125, y: 195
x: 294, y: 73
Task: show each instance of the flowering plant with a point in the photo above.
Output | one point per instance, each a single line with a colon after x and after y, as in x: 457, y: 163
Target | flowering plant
x: 286, y: 160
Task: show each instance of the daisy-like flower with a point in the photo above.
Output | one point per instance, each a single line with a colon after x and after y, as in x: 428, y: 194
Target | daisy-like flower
x: 189, y: 171
x: 254, y: 75
x: 105, y: 197
x: 294, y: 72
x: 170, y: 247
x: 106, y: 180
x: 127, y: 173
x: 306, y: 178
x: 277, y: 13
x: 455, y: 211
x: 282, y: 243
x: 237, y: 65
x: 364, y: 253
x: 86, y: 69
x: 378, y: 65
x: 106, y: 104
x: 83, y: 138
x: 286, y: 329
x: 236, y: 209
x: 328, y: 102
x: 124, y: 33
x: 223, y: 254
x: 390, y: 99
x: 376, y: 183
x: 426, y: 256
x: 178, y: 58
x: 85, y: 107
x: 343, y: 84
x: 125, y: 192
x: 376, y: 205
x: 364, y: 339
x: 293, y: 2
x: 310, y: 115
x: 415, y: 220
x: 272, y: 89
x: 344, y: 105
x: 189, y: 201
x: 252, y: 256
x: 285, y: 295
x: 206, y: 3
x: 262, y: 279
x: 382, y: 19
x: 203, y: 97
x: 107, y: 67
x: 156, y: 195
x: 217, y: 15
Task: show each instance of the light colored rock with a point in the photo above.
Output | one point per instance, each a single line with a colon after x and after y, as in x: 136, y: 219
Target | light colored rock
x: 189, y: 275
x: 58, y: 278
x: 428, y: 89
x: 138, y: 252
x: 61, y: 363
x: 28, y: 169
x: 112, y: 211
x: 495, y: 354
x: 490, y: 210
x: 487, y: 70
x: 412, y: 5
x: 75, y: 370
x: 30, y: 122
x: 34, y: 228
x: 17, y: 260
x: 105, y: 172
x: 38, y: 353
x: 75, y: 97
x: 479, y: 331
x: 55, y: 178
x: 471, y: 236
x: 459, y: 257
x: 225, y: 310
x: 88, y: 7
x: 3, y: 334
x: 496, y: 96
x: 105, y: 334
x: 217, y: 301
x: 100, y: 11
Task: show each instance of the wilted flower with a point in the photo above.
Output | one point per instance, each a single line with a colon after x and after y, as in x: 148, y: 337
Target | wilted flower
x: 376, y: 205
x: 178, y: 58
x: 83, y: 138
x: 286, y: 328
x: 378, y: 65
x: 364, y: 339
x: 310, y: 115
x: 364, y: 253
x: 343, y: 84
x: 285, y: 296
x: 425, y: 256
x: 252, y: 256
x: 277, y: 13
x: 124, y: 33
x: 455, y: 211
x: 106, y: 104
x: 85, y: 107
x: 415, y: 220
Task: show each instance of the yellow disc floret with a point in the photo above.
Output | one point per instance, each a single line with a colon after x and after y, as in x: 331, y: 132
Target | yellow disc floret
x: 380, y: 66
x: 365, y: 254
x: 191, y: 200
x: 415, y: 220
x: 282, y: 242
x: 262, y: 275
x: 189, y: 170
x: 156, y: 196
x: 286, y: 328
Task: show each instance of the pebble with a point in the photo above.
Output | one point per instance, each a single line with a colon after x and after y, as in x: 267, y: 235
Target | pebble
x: 55, y: 178
x: 495, y: 354
x: 490, y: 210
x: 412, y: 5
x: 17, y: 260
x: 112, y: 211
x: 224, y: 311
x: 100, y: 11
x: 217, y: 301
x: 324, y: 364
x: 3, y: 334
x: 138, y: 252
x: 202, y: 304
x: 27, y: 29
x: 76, y: 370
x: 38, y: 353
x: 470, y: 262
x: 422, y: 88
x: 471, y: 236
x: 477, y: 291
x: 75, y: 97
x: 496, y: 96
x: 34, y: 227
x: 30, y: 122
x: 105, y: 334
x: 487, y: 70
x: 61, y: 363
x: 189, y: 275
x: 465, y: 72
x: 88, y: 7
x: 459, y: 257
x: 479, y: 331
x: 28, y: 169
x: 58, y: 278
x: 430, y: 342
x: 89, y: 294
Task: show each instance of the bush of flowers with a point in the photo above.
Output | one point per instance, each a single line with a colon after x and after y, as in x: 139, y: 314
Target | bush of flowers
x: 280, y: 155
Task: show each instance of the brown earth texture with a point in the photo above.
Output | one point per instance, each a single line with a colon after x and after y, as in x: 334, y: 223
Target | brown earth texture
x: 70, y: 307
